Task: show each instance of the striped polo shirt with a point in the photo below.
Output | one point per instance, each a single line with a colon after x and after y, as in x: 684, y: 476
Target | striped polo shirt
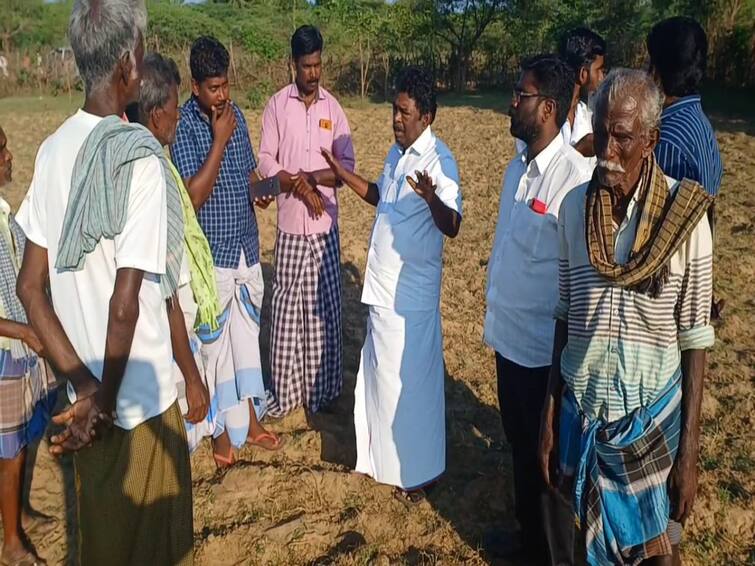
x: 687, y: 147
x: 623, y: 347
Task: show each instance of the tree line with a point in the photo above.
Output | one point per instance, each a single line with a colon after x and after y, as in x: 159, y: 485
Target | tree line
x: 469, y: 44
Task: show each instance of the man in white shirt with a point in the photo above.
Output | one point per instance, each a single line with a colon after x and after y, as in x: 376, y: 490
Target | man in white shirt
x: 106, y: 329
x: 523, y: 283
x: 399, y: 408
x: 585, y: 51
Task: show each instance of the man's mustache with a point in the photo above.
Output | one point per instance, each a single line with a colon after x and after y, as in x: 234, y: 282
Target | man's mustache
x: 610, y: 166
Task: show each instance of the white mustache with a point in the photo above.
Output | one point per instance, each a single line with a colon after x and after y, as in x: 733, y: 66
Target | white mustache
x: 602, y: 163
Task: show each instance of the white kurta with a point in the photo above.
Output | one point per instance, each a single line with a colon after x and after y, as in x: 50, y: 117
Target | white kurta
x: 399, y: 410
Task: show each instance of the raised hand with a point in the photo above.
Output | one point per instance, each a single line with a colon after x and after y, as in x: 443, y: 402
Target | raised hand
x: 423, y: 186
x: 223, y: 122
x: 332, y: 162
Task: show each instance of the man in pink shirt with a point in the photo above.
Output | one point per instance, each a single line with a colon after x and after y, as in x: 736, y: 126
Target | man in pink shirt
x: 298, y: 121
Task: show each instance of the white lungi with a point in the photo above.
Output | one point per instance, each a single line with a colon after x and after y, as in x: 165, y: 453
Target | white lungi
x: 399, y: 406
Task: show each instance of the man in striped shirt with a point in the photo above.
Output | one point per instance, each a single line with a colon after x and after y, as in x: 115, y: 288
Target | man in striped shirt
x: 687, y: 147
x: 635, y: 282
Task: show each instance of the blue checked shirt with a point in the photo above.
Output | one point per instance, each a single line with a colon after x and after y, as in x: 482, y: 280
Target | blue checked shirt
x: 688, y: 147
x: 227, y: 217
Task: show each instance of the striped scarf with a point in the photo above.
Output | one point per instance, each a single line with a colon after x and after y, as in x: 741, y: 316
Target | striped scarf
x: 666, y: 222
x: 203, y: 284
x: 12, y: 245
x: 100, y: 187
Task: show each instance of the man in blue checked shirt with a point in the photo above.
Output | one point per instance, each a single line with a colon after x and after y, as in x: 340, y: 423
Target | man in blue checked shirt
x: 214, y: 156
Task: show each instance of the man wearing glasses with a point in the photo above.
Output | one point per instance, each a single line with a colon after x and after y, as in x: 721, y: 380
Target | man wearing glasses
x: 523, y: 291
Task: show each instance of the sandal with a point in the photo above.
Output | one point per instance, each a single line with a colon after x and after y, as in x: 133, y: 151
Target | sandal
x: 277, y: 441
x: 223, y: 462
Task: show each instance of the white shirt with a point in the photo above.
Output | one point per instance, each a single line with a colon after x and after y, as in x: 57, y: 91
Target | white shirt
x: 523, y: 269
x: 571, y: 133
x: 405, y: 257
x: 81, y: 298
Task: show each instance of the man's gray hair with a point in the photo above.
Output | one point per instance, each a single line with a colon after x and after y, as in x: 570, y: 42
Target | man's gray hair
x: 159, y: 75
x: 100, y: 32
x: 623, y: 84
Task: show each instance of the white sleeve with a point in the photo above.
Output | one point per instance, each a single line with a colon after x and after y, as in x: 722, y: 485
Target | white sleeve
x: 32, y: 214
x: 447, y: 183
x: 142, y: 244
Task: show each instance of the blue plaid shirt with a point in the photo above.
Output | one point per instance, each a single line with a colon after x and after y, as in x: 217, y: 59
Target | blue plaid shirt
x: 688, y: 146
x: 227, y: 217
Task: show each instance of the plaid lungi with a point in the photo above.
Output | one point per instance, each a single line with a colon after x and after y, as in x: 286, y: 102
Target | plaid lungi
x: 27, y: 398
x: 619, y: 472
x: 305, y: 345
x: 134, y: 495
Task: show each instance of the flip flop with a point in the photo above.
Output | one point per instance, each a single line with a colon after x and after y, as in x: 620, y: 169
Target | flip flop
x: 223, y: 462
x: 409, y: 497
x: 276, y: 445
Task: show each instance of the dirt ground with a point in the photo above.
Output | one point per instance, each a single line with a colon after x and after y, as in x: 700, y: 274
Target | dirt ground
x: 302, y: 506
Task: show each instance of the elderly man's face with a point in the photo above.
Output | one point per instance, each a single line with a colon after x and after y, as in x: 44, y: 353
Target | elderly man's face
x: 6, y: 160
x: 165, y: 119
x: 620, y: 143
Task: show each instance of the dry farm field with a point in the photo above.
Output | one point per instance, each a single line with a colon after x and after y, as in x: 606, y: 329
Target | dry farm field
x: 302, y: 506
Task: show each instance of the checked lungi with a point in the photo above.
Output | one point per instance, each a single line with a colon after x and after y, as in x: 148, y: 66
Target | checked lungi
x: 305, y: 346
x: 620, y: 472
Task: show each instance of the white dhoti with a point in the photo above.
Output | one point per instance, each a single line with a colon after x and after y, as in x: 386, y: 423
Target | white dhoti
x: 231, y: 353
x: 399, y: 406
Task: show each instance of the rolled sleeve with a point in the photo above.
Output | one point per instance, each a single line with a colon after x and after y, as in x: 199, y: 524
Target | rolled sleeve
x: 343, y: 146
x: 142, y: 244
x: 696, y: 295
x: 269, y: 140
x: 185, y: 151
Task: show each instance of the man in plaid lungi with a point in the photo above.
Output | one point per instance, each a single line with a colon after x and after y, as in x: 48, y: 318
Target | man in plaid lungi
x: 298, y: 121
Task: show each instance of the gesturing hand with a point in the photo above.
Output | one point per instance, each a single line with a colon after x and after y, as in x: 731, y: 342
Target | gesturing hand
x: 223, y: 122
x: 84, y: 422
x: 333, y: 162
x: 423, y: 186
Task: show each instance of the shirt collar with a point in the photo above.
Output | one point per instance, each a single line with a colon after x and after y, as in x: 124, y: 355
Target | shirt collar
x: 543, y: 159
x: 4, y: 207
x: 293, y: 92
x: 683, y: 102
x: 421, y: 144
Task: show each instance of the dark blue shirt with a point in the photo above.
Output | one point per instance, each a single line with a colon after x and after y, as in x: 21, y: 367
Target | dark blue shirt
x: 227, y: 216
x: 688, y: 147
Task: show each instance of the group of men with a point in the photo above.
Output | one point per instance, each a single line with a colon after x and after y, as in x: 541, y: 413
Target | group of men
x: 602, y: 225
x: 141, y: 278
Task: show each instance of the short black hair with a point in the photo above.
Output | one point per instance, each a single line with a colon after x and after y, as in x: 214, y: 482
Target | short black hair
x: 580, y: 47
x: 678, y: 50
x: 419, y: 85
x: 555, y: 80
x: 208, y: 59
x: 159, y: 75
x: 305, y: 41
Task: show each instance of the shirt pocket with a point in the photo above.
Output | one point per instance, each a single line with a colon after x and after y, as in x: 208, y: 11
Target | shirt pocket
x: 527, y: 229
x: 324, y: 137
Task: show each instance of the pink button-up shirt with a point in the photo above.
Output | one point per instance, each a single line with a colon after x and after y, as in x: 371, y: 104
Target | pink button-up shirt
x: 291, y: 138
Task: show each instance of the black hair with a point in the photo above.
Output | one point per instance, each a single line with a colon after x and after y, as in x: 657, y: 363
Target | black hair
x: 419, y: 85
x: 580, y: 47
x: 159, y: 74
x: 678, y: 51
x: 305, y: 41
x: 555, y: 80
x: 208, y: 59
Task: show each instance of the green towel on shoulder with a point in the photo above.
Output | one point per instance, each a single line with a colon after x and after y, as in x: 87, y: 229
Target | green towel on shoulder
x: 100, y: 187
x: 203, y: 284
